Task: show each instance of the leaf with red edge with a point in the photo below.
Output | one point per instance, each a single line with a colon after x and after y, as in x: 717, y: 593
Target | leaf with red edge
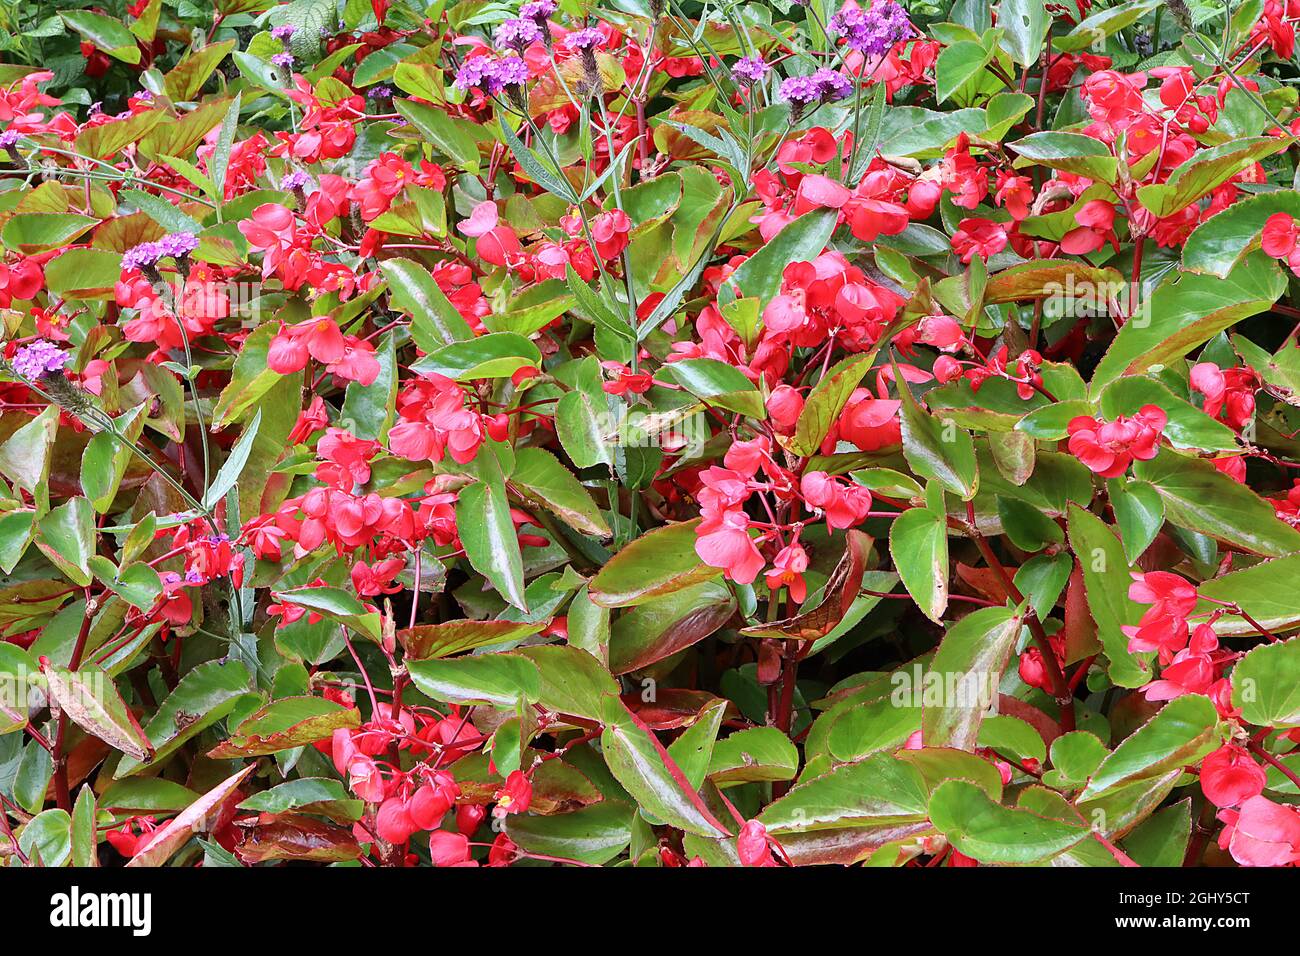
x: 657, y: 563
x: 426, y: 641
x: 90, y: 699
x: 643, y: 766
x: 198, y: 817
x: 661, y: 628
x: 296, y: 837
x: 284, y: 724
x: 674, y: 707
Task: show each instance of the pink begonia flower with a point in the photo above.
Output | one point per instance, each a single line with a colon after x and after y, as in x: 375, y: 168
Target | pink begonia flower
x: 497, y: 243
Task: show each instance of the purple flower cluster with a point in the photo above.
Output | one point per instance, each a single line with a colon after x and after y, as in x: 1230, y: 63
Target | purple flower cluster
x: 539, y: 11
x: 875, y: 31
x: 380, y: 92
x: 824, y: 86
x: 491, y: 75
x: 586, y: 39
x: 294, y: 180
x: 178, y: 245
x: 799, y: 90
x: 517, y: 34
x: 749, y: 70
x: 471, y: 73
x: 283, y: 31
x: 283, y: 60
x: 145, y: 254
x: 9, y: 138
x: 508, y: 71
x: 39, y: 360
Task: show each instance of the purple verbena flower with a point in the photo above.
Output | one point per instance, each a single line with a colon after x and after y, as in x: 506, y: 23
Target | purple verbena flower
x: 749, y: 70
x: 832, y: 85
x: 380, y: 92
x: 282, y: 60
x: 178, y: 245
x: 799, y: 91
x: 508, y: 71
x: 539, y: 11
x: 145, y: 254
x: 872, y: 32
x: 294, y: 180
x: 40, y: 360
x: 847, y: 23
x: 517, y: 34
x: 823, y: 86
x: 283, y: 31
x: 9, y: 138
x: 586, y: 39
x: 471, y: 73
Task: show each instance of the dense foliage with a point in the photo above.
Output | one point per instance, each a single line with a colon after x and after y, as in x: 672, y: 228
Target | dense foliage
x: 664, y: 433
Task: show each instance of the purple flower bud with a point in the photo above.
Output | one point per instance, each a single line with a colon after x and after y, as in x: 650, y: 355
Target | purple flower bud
x: 40, y: 360
x: 823, y: 86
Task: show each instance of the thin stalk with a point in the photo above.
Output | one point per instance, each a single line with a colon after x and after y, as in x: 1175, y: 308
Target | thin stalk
x: 1060, y: 688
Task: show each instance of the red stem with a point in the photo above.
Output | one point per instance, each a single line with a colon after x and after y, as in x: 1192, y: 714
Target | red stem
x: 62, y: 792
x: 1060, y: 689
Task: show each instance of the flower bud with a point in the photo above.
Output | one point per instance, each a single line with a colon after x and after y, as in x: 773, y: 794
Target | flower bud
x: 784, y: 406
x: 946, y: 369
